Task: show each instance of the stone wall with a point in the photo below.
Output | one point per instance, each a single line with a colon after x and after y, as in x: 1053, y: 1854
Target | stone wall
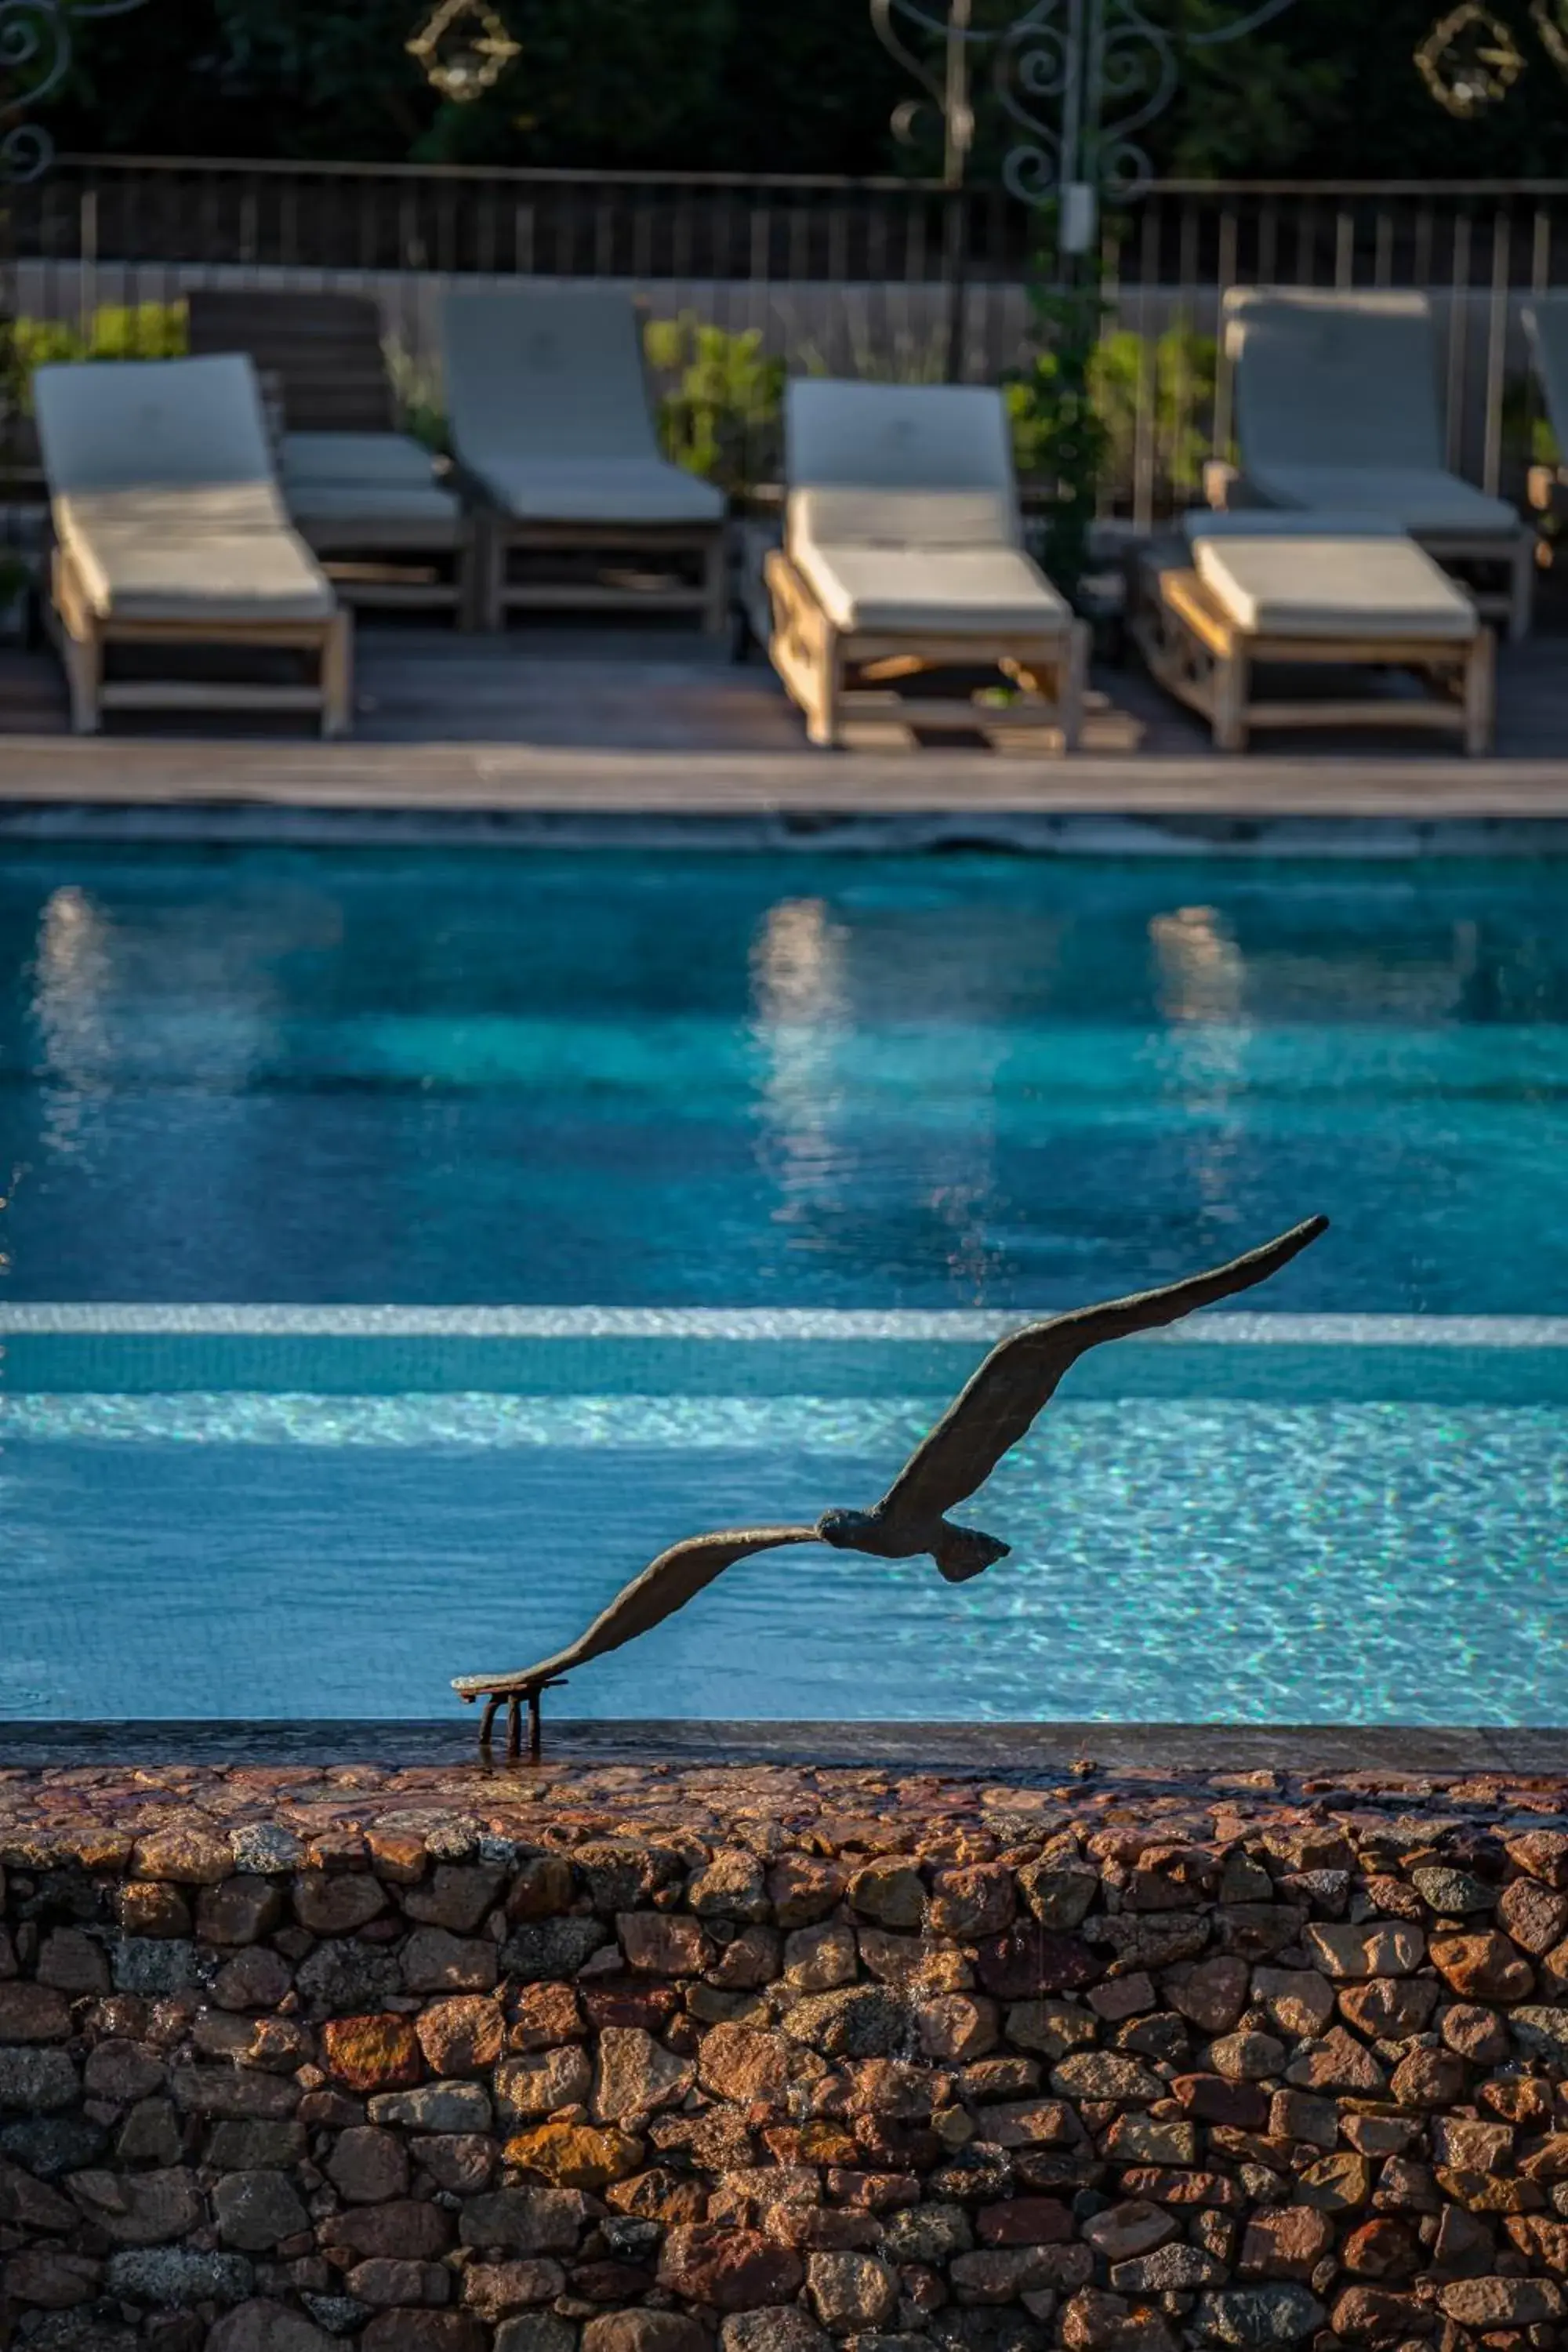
x: 778, y: 2060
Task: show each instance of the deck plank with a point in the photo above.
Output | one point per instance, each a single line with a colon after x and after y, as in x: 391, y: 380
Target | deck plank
x: 658, y: 721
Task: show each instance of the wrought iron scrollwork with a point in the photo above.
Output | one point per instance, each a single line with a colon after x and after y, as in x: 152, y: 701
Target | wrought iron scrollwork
x: 34, y: 58
x: 1079, y: 80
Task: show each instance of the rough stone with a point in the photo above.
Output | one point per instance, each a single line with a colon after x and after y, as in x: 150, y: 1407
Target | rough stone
x: 1367, y: 1951
x: 849, y: 2292
x: 645, y: 2331
x: 1500, y: 2301
x: 1482, y: 1968
x: 1298, y: 2002
x: 433, y: 1961
x: 1286, y: 2243
x: 819, y: 1959
x: 256, y: 2210
x: 536, y: 2084
x: 861, y: 2022
x: 336, y: 1906
x: 535, y: 2331
x: 739, y: 2062
x: 140, y: 2209
x: 180, y: 2276
x: 435, y: 2107
x: 1058, y: 1895
x: 524, y: 2221
x: 547, y: 1949
x: 33, y: 2013
x: 730, y: 2268
x: 634, y: 2075
x: 774, y: 2327
x: 464, y: 2035
x: 371, y: 2053
x: 495, y: 2290
x: 368, y: 2165
x: 575, y: 2155
x: 1254, y: 2318
x: 1124, y: 2230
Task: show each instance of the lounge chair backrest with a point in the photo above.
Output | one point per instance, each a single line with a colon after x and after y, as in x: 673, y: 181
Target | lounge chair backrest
x: 897, y: 436
x: 918, y: 465
x: 1329, y: 379
x: 546, y: 371
x: 108, y: 425
x: 1546, y: 324
x: 324, y: 349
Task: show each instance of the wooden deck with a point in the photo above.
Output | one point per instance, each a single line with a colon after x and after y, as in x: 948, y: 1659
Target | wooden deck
x: 645, y: 721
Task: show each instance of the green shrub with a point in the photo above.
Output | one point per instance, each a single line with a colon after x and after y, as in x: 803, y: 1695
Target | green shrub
x: 117, y: 330
x: 720, y: 417
x: 1175, y: 382
x: 1060, y: 441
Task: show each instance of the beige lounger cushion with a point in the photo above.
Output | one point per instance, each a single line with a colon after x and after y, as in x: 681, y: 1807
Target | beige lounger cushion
x: 163, y: 571
x: 549, y: 409
x: 903, y: 515
x: 1294, y: 586
x: 947, y: 592
x: 164, y: 496
x: 919, y: 560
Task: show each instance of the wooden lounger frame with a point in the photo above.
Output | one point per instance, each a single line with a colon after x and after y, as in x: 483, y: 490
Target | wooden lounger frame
x: 814, y: 659
x: 84, y: 635
x: 1206, y: 659
x: 496, y: 595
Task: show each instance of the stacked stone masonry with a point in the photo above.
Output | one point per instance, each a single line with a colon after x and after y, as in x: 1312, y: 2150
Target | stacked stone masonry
x: 774, y: 2060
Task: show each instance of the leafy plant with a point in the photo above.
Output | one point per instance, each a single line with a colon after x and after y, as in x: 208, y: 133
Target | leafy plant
x: 720, y: 417
x: 140, y: 330
x: 416, y: 385
x: 1059, y: 437
x: 1172, y: 384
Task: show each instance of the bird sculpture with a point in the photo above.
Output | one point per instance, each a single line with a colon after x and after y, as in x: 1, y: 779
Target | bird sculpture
x: 990, y: 1415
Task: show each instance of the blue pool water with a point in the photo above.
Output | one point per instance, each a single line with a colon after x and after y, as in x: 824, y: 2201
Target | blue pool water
x: 759, y: 1087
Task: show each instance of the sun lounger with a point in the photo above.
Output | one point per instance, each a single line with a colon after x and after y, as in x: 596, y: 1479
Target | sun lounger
x: 551, y: 426
x: 904, y: 551
x: 364, y: 496
x: 1240, y: 590
x: 1336, y: 410
x: 170, y: 531
x: 1546, y: 325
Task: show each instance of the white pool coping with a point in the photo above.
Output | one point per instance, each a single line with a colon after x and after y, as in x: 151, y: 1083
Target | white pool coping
x: 71, y: 1319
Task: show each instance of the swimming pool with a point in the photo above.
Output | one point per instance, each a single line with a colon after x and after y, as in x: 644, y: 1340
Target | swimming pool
x: 759, y: 1095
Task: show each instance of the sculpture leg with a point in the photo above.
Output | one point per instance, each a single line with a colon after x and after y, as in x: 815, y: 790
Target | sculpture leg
x: 513, y: 1728
x: 535, y: 1728
x: 486, y: 1722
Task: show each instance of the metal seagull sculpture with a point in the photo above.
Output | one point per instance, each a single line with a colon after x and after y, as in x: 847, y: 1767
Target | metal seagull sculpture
x: 990, y: 1415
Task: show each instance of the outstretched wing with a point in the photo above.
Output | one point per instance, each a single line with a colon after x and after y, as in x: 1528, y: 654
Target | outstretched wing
x: 1022, y: 1372
x: 666, y: 1584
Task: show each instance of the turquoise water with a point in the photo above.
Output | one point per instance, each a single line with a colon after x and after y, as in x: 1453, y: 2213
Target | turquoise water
x: 768, y: 1147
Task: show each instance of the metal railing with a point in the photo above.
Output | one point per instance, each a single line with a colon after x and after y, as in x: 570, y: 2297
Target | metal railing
x: 846, y: 276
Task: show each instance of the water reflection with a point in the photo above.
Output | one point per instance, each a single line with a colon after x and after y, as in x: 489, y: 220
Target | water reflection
x: 73, y: 980
x: 1202, y: 992
x: 800, y: 1018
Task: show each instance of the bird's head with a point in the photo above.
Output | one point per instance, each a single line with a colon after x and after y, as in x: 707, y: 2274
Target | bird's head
x: 843, y: 1529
